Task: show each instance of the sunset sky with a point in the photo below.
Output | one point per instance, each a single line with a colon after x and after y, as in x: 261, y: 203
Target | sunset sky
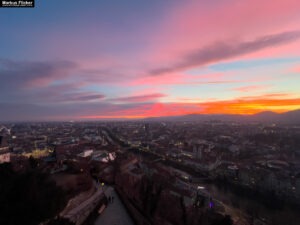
x: 141, y: 58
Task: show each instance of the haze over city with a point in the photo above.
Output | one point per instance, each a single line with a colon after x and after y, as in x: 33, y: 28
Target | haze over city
x: 80, y: 60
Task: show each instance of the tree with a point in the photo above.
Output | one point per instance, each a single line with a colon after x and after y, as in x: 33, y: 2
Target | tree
x: 28, y: 198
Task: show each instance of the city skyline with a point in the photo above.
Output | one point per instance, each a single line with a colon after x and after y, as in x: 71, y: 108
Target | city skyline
x: 134, y: 59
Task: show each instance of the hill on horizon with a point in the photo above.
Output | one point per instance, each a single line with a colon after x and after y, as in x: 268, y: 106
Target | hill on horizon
x: 266, y: 116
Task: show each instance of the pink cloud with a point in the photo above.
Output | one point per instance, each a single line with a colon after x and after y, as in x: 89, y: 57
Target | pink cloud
x: 198, y: 24
x: 150, y: 110
x: 295, y: 69
x: 139, y: 98
x: 251, y: 88
x: 174, y: 78
x: 221, y: 51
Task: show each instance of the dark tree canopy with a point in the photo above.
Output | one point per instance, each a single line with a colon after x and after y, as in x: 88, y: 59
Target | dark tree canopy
x: 28, y: 198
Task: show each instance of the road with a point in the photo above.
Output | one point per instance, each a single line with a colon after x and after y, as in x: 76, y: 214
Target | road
x: 115, y: 213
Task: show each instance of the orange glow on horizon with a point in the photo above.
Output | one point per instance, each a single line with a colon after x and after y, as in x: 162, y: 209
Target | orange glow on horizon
x: 246, y: 106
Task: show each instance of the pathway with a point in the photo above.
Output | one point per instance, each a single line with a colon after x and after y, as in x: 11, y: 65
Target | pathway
x: 115, y: 213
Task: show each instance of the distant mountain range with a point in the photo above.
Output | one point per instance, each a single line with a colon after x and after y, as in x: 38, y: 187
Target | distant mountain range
x: 291, y: 117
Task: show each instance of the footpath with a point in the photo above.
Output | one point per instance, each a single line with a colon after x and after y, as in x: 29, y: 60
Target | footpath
x: 115, y: 212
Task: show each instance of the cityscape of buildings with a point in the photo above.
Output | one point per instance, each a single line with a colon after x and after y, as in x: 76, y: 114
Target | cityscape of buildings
x: 171, y: 172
